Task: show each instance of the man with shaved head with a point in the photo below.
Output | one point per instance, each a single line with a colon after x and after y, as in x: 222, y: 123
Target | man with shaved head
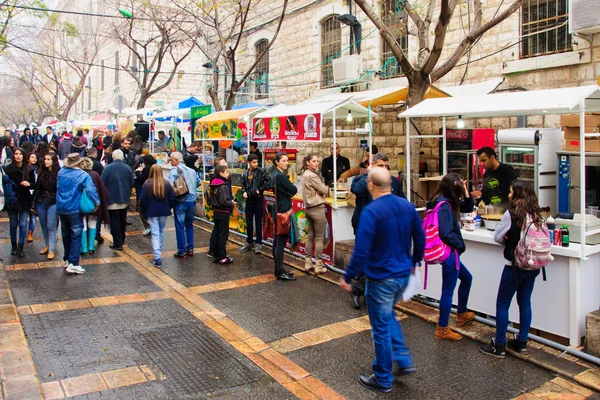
x: 391, y: 246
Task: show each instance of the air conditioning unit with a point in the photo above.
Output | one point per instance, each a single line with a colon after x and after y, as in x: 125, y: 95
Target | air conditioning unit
x: 348, y: 69
x: 584, y: 16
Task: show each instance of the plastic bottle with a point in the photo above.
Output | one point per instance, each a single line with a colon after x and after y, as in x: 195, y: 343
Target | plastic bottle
x: 551, y: 223
x: 564, y: 235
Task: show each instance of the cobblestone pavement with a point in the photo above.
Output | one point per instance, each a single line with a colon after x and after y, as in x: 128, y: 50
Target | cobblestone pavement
x: 195, y: 330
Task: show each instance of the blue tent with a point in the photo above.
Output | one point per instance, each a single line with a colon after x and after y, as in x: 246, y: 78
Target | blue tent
x: 190, y: 102
x: 246, y: 105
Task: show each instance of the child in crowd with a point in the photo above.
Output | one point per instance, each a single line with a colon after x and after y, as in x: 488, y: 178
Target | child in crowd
x: 254, y: 182
x: 222, y: 205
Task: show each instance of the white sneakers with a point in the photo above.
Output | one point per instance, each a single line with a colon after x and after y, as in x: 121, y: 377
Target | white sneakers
x: 75, y: 269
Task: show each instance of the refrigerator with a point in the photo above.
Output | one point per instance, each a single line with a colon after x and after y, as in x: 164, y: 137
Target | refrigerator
x: 532, y: 153
x: 466, y: 163
x: 465, y: 139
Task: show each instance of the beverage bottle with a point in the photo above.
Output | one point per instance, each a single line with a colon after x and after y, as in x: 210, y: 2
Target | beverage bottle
x: 564, y: 234
x: 551, y: 223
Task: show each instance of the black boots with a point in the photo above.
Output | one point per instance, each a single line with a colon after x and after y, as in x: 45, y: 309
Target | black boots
x: 13, y: 249
x: 20, y: 251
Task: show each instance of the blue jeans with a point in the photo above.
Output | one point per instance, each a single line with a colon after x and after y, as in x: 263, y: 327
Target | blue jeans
x: 520, y: 281
x: 49, y: 223
x: 449, y: 277
x: 184, y: 225
x: 390, y: 347
x: 32, y: 221
x: 71, y: 226
x: 157, y: 227
x: 18, y: 218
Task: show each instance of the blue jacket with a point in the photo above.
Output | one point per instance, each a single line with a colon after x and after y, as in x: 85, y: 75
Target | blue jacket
x: 389, y: 227
x: 71, y: 182
x: 118, y: 179
x: 191, y: 178
x: 359, y: 188
x: 153, y: 207
x: 449, y: 227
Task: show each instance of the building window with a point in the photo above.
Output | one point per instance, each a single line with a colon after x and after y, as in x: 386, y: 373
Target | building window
x: 545, y: 28
x: 396, y: 25
x: 331, y: 47
x: 261, y: 73
x: 102, y: 75
x: 117, y: 67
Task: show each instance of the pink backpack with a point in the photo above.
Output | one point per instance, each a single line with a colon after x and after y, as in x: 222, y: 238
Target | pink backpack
x: 533, y: 249
x: 436, y: 251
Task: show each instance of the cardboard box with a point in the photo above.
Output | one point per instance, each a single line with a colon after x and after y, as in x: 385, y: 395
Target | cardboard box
x: 573, y: 120
x: 591, y: 145
x: 572, y: 132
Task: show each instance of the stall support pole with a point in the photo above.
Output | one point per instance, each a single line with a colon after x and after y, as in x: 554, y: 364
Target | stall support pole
x: 407, y: 159
x: 582, y: 174
x: 444, y: 153
x: 334, y: 163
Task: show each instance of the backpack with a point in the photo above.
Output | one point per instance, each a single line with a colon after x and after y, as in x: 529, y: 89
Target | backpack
x: 533, y: 250
x: 180, y: 186
x: 436, y: 251
x: 8, y: 189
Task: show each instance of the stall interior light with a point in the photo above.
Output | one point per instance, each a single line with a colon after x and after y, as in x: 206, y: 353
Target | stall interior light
x: 349, y: 117
x: 460, y: 123
x: 523, y: 149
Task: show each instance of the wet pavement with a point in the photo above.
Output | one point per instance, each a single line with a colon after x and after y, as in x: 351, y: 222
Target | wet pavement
x: 196, y: 330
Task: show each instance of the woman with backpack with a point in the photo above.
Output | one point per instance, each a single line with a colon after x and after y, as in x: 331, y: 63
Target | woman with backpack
x: 451, y: 198
x: 23, y: 180
x: 45, y: 201
x: 523, y: 210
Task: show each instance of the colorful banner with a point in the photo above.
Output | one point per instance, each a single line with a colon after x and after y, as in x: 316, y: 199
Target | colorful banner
x: 217, y: 130
x: 291, y: 128
x: 237, y: 221
x: 195, y: 114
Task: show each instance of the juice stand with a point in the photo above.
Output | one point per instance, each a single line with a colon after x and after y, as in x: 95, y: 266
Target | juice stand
x: 303, y: 123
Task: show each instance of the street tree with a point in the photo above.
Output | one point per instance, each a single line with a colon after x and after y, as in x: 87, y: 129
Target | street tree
x: 429, y: 67
x: 10, y: 10
x: 224, y: 24
x: 17, y: 105
x: 158, y: 40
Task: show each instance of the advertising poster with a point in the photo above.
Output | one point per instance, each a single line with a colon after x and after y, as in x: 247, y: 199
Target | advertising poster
x: 226, y: 129
x: 237, y: 220
x: 294, y: 127
x: 195, y: 114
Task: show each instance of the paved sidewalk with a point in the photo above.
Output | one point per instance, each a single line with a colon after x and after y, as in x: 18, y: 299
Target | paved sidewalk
x: 127, y: 330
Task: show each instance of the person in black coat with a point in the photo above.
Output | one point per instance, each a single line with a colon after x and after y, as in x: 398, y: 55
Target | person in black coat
x: 141, y: 176
x: 118, y: 178
x: 23, y: 178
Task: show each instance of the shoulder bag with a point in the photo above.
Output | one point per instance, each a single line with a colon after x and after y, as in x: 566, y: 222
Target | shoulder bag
x: 180, y: 186
x: 86, y: 205
x: 283, y: 220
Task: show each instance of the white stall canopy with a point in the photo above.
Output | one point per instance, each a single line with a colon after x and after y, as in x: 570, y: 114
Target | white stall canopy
x: 329, y: 110
x: 538, y: 102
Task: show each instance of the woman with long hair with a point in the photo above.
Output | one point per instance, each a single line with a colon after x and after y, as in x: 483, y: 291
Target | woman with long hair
x: 21, y: 175
x: 5, y: 151
x: 35, y: 135
x: 45, y: 202
x: 314, y: 192
x: 284, y: 191
x: 141, y: 176
x: 156, y: 200
x: 91, y: 222
x: 453, y: 197
x: 523, y: 204
x: 116, y: 145
x: 41, y: 150
x: 32, y: 160
x: 97, y: 143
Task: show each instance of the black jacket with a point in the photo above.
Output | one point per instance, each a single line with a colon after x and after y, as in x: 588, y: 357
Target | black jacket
x: 190, y: 160
x: 284, y: 189
x: 449, y: 226
x: 363, y: 198
x: 219, y: 195
x: 45, y: 190
x: 97, y: 167
x: 342, y: 165
x: 24, y: 196
x: 257, y: 185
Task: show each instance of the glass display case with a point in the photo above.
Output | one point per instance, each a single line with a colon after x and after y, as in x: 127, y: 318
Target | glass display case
x: 466, y: 163
x: 523, y: 161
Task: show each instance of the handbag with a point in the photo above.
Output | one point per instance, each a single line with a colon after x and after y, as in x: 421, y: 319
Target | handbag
x: 282, y: 220
x: 180, y: 186
x: 86, y: 205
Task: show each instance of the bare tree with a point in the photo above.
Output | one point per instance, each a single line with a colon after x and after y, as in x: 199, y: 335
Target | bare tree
x: 158, y: 39
x: 224, y: 25
x: 9, y: 11
x: 17, y: 105
x: 429, y: 67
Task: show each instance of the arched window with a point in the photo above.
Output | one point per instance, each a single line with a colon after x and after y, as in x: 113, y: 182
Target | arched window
x: 261, y: 73
x: 331, y: 47
x: 396, y: 24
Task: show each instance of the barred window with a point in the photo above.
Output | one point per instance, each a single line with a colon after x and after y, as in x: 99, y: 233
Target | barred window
x: 261, y: 73
x: 545, y: 28
x: 396, y: 24
x: 331, y: 47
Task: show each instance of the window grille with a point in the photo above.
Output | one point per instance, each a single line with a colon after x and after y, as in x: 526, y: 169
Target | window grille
x: 545, y: 28
x: 331, y: 47
x: 261, y: 72
x: 396, y: 24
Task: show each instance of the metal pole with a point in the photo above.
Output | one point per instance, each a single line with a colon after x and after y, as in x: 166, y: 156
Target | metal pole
x: 334, y: 161
x: 445, y: 154
x: 582, y: 172
x: 407, y: 159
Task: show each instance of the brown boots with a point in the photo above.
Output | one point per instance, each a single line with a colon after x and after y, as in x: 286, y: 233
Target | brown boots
x: 464, y: 318
x: 30, y: 236
x: 319, y: 267
x: 446, y: 334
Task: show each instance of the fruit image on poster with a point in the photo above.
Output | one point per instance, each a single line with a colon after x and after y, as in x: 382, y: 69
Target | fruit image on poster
x: 196, y: 113
x: 305, y: 127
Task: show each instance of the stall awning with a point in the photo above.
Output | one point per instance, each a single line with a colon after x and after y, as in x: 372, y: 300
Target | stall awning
x: 224, y: 124
x: 142, y: 111
x: 168, y: 114
x: 473, y: 89
x: 225, y: 115
x: 376, y: 97
x: 329, y: 110
x: 539, y: 102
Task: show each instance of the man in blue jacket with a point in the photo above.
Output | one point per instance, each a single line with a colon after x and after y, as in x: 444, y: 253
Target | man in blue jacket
x: 389, y: 227
x: 72, y: 181
x: 185, y: 206
x: 363, y: 198
x: 118, y: 178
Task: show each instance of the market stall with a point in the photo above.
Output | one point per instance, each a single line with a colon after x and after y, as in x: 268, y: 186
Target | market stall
x: 571, y: 291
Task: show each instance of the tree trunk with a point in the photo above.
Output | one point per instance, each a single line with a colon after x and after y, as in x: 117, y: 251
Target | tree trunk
x: 416, y: 93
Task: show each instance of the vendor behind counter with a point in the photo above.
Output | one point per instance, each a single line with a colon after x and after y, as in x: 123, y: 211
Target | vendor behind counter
x: 496, y: 180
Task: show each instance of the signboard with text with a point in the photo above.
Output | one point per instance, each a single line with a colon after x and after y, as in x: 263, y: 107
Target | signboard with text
x: 305, y: 127
x: 195, y: 114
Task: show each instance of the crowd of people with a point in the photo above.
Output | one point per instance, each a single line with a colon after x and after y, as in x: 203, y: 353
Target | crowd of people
x: 85, y: 181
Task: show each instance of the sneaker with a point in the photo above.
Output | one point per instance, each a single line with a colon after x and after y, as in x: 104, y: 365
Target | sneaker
x: 398, y: 371
x: 157, y: 263
x: 246, y: 247
x: 517, y: 345
x: 147, y: 232
x: 493, y: 349
x: 75, y: 269
x: 180, y: 255
x: 258, y: 248
x: 190, y: 253
x: 210, y: 254
x: 225, y: 261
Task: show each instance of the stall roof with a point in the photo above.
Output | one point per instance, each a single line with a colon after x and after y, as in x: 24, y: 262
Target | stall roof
x: 376, y: 97
x: 185, y: 112
x: 473, y: 89
x: 228, y: 114
x: 328, y: 109
x: 142, y: 111
x: 539, y: 102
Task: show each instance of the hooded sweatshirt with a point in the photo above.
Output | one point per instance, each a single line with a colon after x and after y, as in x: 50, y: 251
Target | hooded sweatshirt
x: 219, y: 195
